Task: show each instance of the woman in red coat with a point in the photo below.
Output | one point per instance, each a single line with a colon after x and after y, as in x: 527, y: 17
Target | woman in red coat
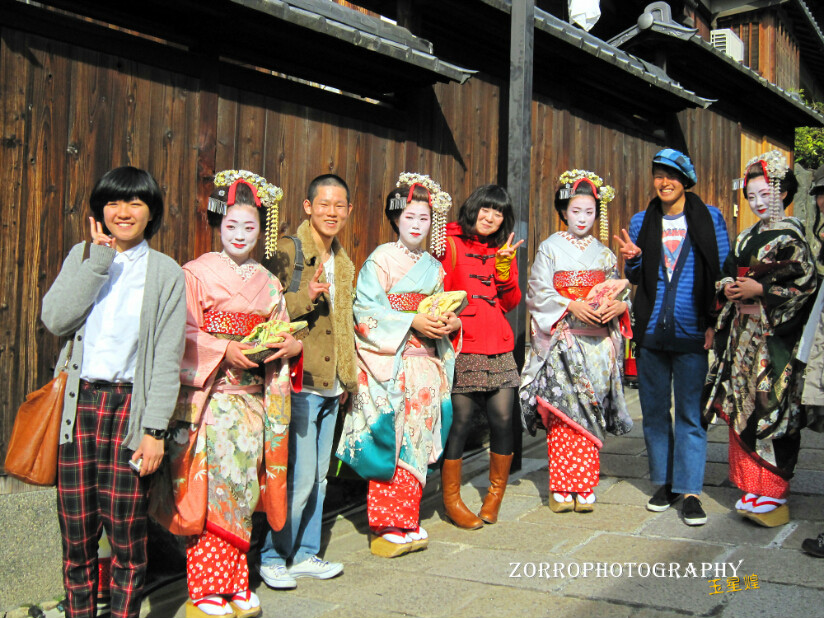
x: 479, y: 258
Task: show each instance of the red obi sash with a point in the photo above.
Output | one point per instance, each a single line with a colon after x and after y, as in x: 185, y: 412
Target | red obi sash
x: 230, y: 323
x: 408, y: 301
x: 576, y: 284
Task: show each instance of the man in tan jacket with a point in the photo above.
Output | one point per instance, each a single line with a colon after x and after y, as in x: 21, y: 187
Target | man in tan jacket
x: 317, y: 276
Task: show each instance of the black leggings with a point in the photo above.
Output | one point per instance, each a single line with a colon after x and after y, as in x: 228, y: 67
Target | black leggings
x: 498, y: 407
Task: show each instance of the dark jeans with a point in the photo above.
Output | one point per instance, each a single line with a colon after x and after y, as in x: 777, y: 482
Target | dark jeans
x: 677, y: 453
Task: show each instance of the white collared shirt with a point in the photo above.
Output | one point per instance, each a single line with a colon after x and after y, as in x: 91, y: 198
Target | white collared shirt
x: 110, y: 348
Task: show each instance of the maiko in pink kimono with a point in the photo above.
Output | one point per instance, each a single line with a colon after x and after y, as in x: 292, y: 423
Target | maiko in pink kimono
x: 228, y: 453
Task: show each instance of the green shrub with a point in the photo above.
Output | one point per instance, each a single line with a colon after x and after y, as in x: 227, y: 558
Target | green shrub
x: 809, y: 141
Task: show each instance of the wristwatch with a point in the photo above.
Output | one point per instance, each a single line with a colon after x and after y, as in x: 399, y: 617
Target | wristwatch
x: 157, y: 434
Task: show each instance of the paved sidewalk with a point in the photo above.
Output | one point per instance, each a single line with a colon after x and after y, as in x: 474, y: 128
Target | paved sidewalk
x: 470, y: 573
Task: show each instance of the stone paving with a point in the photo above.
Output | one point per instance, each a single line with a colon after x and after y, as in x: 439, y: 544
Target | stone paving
x: 470, y: 573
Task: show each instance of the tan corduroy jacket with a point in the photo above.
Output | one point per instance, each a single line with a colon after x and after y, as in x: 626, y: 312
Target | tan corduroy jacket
x: 329, y: 345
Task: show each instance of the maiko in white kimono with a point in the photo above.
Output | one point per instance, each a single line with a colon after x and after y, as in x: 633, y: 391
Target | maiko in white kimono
x: 574, y: 367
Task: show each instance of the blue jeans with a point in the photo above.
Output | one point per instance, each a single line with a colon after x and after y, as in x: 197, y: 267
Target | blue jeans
x: 676, y: 455
x: 310, y: 448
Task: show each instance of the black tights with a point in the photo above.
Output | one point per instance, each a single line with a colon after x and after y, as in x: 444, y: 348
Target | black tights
x: 498, y: 407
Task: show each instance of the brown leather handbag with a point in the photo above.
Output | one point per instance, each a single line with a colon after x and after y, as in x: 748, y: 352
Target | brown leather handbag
x: 32, y: 454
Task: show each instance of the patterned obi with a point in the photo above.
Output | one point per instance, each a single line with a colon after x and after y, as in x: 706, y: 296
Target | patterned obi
x: 408, y: 301
x: 747, y: 307
x: 230, y: 322
x: 576, y: 284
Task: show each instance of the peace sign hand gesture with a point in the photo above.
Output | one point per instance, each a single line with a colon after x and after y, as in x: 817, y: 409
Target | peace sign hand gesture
x: 626, y: 247
x: 316, y: 288
x: 508, y: 250
x: 98, y: 237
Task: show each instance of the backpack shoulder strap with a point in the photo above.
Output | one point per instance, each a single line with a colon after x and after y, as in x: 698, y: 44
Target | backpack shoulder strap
x: 297, y: 271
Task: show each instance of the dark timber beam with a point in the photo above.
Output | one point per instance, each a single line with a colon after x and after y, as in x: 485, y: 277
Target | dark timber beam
x: 519, y: 152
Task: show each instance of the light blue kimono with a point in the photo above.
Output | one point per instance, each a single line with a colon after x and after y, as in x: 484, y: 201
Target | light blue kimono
x: 402, y: 410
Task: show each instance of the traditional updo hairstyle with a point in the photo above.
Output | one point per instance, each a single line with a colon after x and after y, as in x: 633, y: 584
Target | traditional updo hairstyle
x: 487, y: 196
x: 397, y: 199
x: 583, y: 188
x: 788, y: 184
x: 243, y: 197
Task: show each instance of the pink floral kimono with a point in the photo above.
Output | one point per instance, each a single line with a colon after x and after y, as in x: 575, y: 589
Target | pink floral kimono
x: 228, y: 452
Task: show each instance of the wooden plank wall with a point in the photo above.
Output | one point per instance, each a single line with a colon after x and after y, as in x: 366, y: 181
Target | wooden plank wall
x: 70, y: 114
x: 563, y: 140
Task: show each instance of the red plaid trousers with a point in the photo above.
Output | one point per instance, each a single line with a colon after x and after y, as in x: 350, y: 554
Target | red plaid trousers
x: 96, y: 488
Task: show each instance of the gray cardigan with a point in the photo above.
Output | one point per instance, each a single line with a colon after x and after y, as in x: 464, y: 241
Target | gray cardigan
x: 161, y: 336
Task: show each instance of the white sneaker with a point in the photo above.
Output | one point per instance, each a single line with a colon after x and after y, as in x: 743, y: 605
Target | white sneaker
x: 277, y: 576
x: 316, y: 568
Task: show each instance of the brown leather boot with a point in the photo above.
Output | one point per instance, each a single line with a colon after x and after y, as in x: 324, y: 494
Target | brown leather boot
x: 451, y: 487
x: 498, y: 477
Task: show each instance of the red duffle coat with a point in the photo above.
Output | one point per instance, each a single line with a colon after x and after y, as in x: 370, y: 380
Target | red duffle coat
x: 470, y: 265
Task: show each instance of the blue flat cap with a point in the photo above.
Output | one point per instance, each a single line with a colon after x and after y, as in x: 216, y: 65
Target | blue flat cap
x: 677, y: 160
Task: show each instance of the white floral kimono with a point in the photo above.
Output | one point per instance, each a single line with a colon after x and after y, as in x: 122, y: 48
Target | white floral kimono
x: 572, y: 379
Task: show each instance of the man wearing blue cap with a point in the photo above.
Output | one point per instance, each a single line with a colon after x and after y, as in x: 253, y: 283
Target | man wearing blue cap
x: 673, y: 254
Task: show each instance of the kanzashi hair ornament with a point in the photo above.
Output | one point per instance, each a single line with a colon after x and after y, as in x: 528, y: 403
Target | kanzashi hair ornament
x: 774, y: 167
x: 570, y: 180
x: 266, y: 195
x: 440, y: 202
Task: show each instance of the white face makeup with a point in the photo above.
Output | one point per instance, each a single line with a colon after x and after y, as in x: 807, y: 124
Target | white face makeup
x: 580, y: 215
x: 414, y: 224
x: 239, y: 231
x: 759, y: 194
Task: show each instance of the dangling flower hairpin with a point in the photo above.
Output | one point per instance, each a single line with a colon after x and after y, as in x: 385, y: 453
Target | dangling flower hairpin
x: 439, y: 200
x: 570, y: 180
x: 266, y: 195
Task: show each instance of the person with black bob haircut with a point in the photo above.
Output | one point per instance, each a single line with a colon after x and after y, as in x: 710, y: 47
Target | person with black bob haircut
x: 125, y: 183
x: 487, y: 197
x: 122, y: 306
x: 480, y: 258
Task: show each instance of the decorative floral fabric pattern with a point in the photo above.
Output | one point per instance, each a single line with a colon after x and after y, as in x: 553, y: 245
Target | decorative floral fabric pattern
x: 402, y: 409
x: 574, y: 463
x: 230, y: 322
x: 214, y: 566
x: 395, y: 503
x: 579, y: 375
x: 754, y: 384
x: 229, y: 449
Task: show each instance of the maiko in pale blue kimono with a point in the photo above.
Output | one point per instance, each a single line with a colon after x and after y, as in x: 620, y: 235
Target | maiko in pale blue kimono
x: 402, y: 410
